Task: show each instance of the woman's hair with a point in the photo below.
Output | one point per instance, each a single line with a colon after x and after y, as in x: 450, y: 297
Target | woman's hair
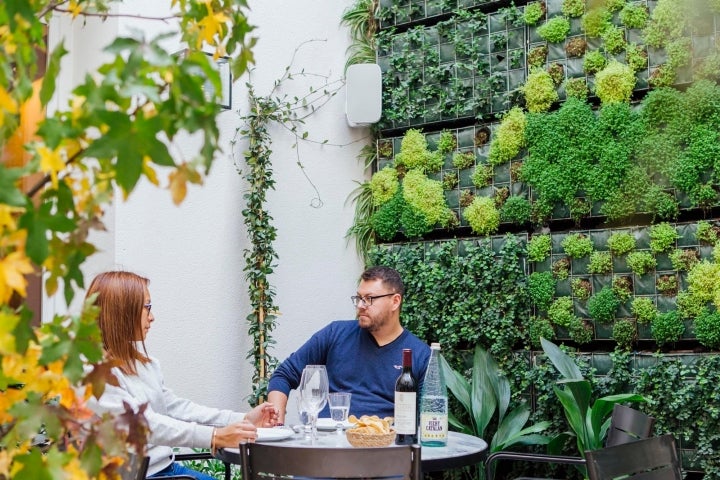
x: 121, y: 298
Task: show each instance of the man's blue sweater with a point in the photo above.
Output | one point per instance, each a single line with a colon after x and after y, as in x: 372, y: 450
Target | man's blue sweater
x: 355, y: 363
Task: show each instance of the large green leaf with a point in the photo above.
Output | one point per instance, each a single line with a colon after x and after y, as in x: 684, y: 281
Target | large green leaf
x: 482, y: 396
x: 456, y: 383
x: 562, y: 361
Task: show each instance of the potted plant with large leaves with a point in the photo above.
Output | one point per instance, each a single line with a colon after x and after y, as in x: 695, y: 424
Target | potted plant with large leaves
x: 588, y: 420
x: 487, y: 392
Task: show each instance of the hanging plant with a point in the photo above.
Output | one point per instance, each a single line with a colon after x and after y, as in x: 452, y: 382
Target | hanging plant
x: 414, y: 153
x: 684, y: 259
x: 667, y: 285
x: 447, y: 142
x: 614, y: 40
x: 622, y: 286
x: 537, y: 57
x: 425, y: 197
x: 482, y: 176
x: 539, y: 327
x: 516, y: 209
x: 707, y: 233
x: 561, y: 268
x: 462, y: 160
x: 636, y: 57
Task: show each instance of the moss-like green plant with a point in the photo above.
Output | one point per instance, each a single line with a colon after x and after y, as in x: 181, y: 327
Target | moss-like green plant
x: 482, y: 176
x: 667, y: 328
x: 684, y: 259
x: 707, y: 329
x: 450, y: 180
x: 426, y: 196
x: 600, y: 263
x: 622, y: 286
x: 636, y: 57
x: 634, y: 15
x: 644, y: 310
x: 595, y: 21
x: 560, y: 311
x: 447, y: 142
x: 539, y: 327
x: 539, y: 248
x: 621, y: 243
x: 573, y: 8
x: 384, y: 185
x: 580, y: 331
x: 614, y: 40
x: 577, y: 245
x: 667, y: 22
x: 482, y: 216
x: 539, y: 91
x: 561, y: 268
x: 689, y: 305
x: 667, y: 285
x: 581, y: 288
x: 576, y: 88
x: 576, y: 47
x: 463, y: 160
x: 516, y: 209
x: 386, y: 219
x: 662, y: 238
x: 554, y: 30
x: 537, y: 57
x: 509, y: 137
x: 641, y: 262
x: 615, y: 83
x: 707, y: 233
x: 414, y: 153
x: 594, y: 61
x: 603, y: 305
x: 534, y: 12
x: 624, y: 332
x: 541, y: 287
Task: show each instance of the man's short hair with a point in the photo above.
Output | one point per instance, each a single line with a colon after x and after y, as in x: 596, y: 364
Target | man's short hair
x: 389, y: 276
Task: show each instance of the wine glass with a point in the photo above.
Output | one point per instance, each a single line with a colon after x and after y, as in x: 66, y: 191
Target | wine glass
x: 339, y: 408
x: 313, y: 390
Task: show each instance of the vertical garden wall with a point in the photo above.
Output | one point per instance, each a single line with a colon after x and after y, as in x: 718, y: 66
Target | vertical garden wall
x: 548, y: 168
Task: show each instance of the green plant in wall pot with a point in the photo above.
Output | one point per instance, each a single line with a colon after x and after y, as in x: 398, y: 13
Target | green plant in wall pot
x: 622, y: 286
x: 509, y: 137
x: 414, y: 153
x: 554, y: 30
x: 560, y: 312
x: 463, y: 160
x: 537, y: 56
x: 667, y: 285
x: 667, y: 328
x: 662, y: 238
x: 615, y: 83
x: 539, y: 327
x: 614, y: 40
x: 707, y: 233
x: 539, y: 247
x: 485, y: 395
x: 707, y: 329
x: 636, y: 57
x: 384, y: 185
x: 482, y: 215
x: 516, y: 209
x: 603, y: 305
x: 644, y: 310
x: 539, y: 91
x: 541, y: 287
x: 561, y: 268
x: 624, y: 332
x: 594, y: 61
x: 573, y: 8
x: 690, y: 305
x: 621, y: 243
x: 600, y: 263
x: 581, y: 288
x: 596, y: 20
x: 641, y: 262
x: 576, y: 88
x: 588, y: 420
x: 482, y: 175
x: 577, y: 245
x: 580, y: 331
x: 534, y: 12
x: 447, y: 142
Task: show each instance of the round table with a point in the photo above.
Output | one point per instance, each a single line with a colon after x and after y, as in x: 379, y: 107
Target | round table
x: 461, y: 450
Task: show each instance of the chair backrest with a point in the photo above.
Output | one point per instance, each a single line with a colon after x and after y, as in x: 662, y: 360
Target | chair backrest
x: 260, y: 461
x: 135, y: 468
x: 654, y: 458
x: 628, y: 425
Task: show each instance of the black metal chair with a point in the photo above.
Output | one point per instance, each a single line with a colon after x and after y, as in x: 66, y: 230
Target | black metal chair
x: 654, y: 458
x: 263, y: 461
x: 136, y: 468
x: 626, y: 425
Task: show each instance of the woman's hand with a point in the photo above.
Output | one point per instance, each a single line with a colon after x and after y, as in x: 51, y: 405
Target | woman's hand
x: 264, y: 415
x: 231, y: 435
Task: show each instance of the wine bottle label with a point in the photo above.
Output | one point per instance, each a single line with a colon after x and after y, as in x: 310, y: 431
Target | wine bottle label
x: 405, y: 413
x: 433, y: 426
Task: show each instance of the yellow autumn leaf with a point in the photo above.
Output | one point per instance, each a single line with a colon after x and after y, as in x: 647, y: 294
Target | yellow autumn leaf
x: 211, y: 25
x: 7, y: 104
x: 7, y: 217
x: 8, y: 322
x: 178, y: 185
x: 12, y: 275
x: 75, y: 8
x: 51, y: 163
x: 149, y: 172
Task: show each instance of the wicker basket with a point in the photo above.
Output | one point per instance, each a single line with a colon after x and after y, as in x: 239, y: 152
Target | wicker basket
x: 370, y: 439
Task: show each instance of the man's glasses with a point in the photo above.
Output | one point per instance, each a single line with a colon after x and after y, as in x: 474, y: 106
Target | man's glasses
x: 148, y: 306
x: 367, y: 300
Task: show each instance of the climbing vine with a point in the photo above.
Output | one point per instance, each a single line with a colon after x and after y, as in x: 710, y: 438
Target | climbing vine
x: 290, y: 112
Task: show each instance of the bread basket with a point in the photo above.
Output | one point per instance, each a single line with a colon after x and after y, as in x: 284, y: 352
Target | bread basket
x: 363, y: 439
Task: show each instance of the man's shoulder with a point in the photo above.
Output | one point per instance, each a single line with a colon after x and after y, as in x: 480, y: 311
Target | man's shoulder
x: 412, y: 339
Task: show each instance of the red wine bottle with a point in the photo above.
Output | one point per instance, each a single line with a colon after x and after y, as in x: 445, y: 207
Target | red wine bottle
x: 406, y: 403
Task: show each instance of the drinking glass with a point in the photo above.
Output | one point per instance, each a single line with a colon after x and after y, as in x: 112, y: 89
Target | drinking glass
x: 313, y: 391
x: 339, y: 408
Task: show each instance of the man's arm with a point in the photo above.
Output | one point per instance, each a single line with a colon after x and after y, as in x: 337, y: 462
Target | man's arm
x: 279, y: 400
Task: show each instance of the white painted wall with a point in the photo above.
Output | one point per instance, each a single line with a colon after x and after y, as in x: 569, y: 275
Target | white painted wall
x: 193, y: 253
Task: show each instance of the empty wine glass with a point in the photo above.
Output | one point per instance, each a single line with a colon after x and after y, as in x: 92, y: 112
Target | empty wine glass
x: 313, y: 390
x: 339, y: 408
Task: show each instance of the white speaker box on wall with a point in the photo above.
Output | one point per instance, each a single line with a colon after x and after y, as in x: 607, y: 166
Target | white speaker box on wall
x: 363, y: 94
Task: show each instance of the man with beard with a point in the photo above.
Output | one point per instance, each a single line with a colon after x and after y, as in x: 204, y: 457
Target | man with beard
x: 363, y: 356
